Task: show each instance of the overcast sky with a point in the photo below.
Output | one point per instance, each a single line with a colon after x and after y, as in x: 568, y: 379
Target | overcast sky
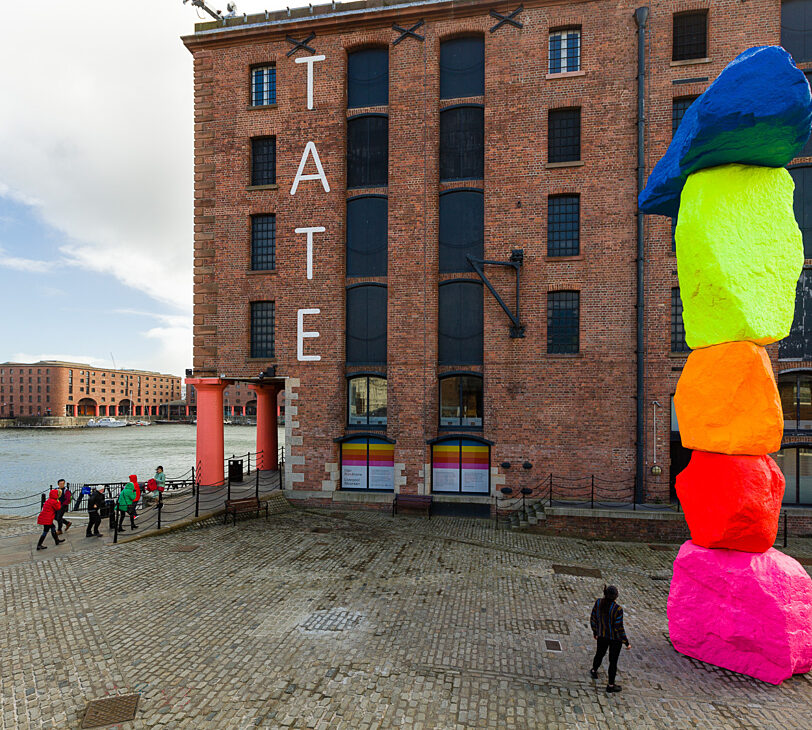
x: 96, y: 181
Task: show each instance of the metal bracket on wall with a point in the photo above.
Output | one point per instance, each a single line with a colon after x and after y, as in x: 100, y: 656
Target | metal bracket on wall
x: 300, y: 44
x: 506, y: 19
x: 516, y: 260
x: 404, y: 33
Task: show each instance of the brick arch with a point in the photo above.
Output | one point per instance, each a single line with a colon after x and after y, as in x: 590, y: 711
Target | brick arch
x: 87, y: 407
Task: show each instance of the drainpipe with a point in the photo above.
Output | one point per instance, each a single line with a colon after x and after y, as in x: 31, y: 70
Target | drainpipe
x: 640, y: 18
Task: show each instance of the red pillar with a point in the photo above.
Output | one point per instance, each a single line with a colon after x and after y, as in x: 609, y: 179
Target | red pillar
x: 210, y: 450
x: 267, y: 438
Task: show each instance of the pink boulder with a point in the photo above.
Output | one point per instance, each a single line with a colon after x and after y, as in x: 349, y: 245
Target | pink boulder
x: 747, y: 612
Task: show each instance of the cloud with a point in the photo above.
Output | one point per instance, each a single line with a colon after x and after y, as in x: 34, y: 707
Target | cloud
x: 31, y: 266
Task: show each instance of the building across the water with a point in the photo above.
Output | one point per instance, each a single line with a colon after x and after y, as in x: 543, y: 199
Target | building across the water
x: 419, y: 220
x: 51, y: 388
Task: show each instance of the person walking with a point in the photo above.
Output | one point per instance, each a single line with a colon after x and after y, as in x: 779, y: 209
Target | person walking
x: 607, y: 628
x: 125, y: 502
x: 94, y: 505
x: 46, y: 518
x: 64, y: 500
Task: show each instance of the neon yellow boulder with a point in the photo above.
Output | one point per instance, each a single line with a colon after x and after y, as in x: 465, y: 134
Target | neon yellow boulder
x: 739, y: 255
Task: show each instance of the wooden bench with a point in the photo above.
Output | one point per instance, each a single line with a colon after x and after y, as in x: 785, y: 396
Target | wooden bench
x: 249, y: 504
x: 412, y: 501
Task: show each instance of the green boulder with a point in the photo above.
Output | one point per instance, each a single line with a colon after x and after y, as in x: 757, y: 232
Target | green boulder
x: 739, y: 255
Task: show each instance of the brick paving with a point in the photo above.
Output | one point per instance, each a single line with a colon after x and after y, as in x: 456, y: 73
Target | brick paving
x: 361, y: 621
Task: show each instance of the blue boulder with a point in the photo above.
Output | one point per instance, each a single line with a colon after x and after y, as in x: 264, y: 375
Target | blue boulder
x: 758, y: 111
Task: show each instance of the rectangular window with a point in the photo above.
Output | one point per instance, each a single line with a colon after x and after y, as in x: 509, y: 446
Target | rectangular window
x: 263, y: 86
x: 690, y: 35
x: 367, y: 235
x: 462, y: 143
x: 462, y: 229
x: 462, y: 67
x: 366, y: 325
x: 263, y: 242
x: 368, y: 463
x: 460, y: 329
x: 368, y: 151
x: 678, y: 108
x: 677, y: 327
x: 565, y: 51
x: 563, y: 225
x: 368, y: 78
x: 563, y: 322
x: 263, y: 161
x: 460, y: 465
x: 262, y: 329
x: 564, y: 139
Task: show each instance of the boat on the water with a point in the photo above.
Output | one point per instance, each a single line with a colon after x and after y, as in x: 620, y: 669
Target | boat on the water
x: 106, y: 422
x: 141, y: 423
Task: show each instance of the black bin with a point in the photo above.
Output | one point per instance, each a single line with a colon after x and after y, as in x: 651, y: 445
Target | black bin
x: 235, y: 470
x: 109, y: 511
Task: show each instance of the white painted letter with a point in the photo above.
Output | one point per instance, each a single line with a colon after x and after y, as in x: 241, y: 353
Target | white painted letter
x: 301, y: 334
x: 310, y: 60
x: 310, y: 148
x: 310, y: 232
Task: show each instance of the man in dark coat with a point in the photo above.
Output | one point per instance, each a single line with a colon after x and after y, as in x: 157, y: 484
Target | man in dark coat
x: 94, y: 505
x: 64, y: 500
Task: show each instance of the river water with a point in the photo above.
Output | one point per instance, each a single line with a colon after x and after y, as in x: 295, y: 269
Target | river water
x: 33, y: 459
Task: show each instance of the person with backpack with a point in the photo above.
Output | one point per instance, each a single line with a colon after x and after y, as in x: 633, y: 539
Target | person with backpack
x: 95, y: 503
x: 64, y: 500
x: 47, y: 516
x: 607, y: 628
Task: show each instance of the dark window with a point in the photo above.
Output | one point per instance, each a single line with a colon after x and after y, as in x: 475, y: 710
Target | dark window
x: 263, y: 161
x: 564, y: 139
x: 367, y: 401
x: 802, y: 204
x: 366, y: 325
x: 262, y: 329
x: 673, y: 235
x: 462, y: 229
x: 460, y: 327
x: 462, y: 68
x: 263, y: 242
x: 368, y: 151
x: 461, y: 401
x: 368, y: 78
x: 677, y: 326
x: 798, y: 344
x: 565, y: 51
x: 796, y: 465
x: 563, y: 321
x: 462, y: 143
x: 263, y: 86
x: 690, y: 35
x: 678, y: 108
x: 795, y: 390
x: 367, y: 236
x: 807, y: 150
x: 796, y: 29
x: 563, y: 225
x: 460, y: 465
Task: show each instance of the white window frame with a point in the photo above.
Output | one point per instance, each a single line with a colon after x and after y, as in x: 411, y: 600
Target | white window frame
x: 563, y: 35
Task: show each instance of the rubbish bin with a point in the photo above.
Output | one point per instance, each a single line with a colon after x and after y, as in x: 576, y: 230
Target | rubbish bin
x: 235, y: 470
x: 110, y: 512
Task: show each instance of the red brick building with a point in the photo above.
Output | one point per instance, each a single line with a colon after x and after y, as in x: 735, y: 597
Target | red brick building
x: 420, y: 220
x: 49, y: 388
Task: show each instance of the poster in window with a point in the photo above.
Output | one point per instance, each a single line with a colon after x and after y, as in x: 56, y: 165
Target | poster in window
x: 445, y: 476
x: 354, y: 465
x: 475, y: 467
x: 381, y: 465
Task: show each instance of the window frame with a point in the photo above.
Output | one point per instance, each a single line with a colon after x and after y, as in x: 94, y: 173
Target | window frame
x: 254, y: 219
x: 681, y: 16
x: 252, y: 349
x: 447, y: 438
x: 356, y: 52
x: 674, y: 105
x: 803, y: 34
x: 367, y: 374
x: 355, y: 437
x: 444, y: 43
x: 679, y: 346
x: 252, y: 89
x: 452, y: 191
x: 351, y: 199
x: 563, y: 59
x: 796, y: 446
x: 253, y: 173
x: 460, y: 374
x: 347, y: 289
x: 561, y: 197
x: 467, y: 281
x: 367, y: 185
x: 556, y: 147
x: 552, y: 347
x: 462, y: 177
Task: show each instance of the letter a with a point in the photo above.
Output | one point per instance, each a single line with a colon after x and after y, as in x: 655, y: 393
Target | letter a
x: 310, y: 148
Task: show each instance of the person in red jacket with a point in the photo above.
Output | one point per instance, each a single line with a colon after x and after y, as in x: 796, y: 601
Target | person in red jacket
x: 47, y: 516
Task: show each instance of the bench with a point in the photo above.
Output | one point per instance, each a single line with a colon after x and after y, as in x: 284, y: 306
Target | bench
x: 249, y: 504
x: 412, y: 501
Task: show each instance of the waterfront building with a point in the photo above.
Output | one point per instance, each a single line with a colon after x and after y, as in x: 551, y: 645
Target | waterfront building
x: 51, y: 388
x: 419, y: 220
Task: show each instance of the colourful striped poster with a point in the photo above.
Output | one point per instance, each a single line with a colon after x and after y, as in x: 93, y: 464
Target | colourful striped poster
x: 445, y: 474
x: 368, y: 463
x: 476, y: 464
x: 354, y: 464
x: 461, y: 465
x: 381, y: 465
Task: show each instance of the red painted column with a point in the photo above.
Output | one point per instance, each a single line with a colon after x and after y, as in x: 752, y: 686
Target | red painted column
x: 210, y: 451
x: 267, y: 438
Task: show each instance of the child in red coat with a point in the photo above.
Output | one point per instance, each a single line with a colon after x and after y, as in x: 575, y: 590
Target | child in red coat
x: 46, y: 518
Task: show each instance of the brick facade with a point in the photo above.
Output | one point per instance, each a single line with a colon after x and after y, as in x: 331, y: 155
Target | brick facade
x: 570, y: 414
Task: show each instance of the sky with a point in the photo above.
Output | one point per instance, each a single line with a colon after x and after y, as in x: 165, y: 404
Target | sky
x: 96, y: 181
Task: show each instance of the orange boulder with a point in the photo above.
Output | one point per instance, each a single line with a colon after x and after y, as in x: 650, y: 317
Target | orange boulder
x: 731, y: 502
x: 727, y: 401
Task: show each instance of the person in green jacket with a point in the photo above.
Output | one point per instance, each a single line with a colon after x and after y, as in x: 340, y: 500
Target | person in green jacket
x: 160, y: 477
x: 126, y: 500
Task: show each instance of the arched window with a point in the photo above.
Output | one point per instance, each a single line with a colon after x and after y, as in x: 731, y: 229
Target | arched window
x: 366, y: 324
x: 461, y: 465
x: 462, y: 142
x: 367, y: 400
x: 461, y: 400
x: 368, y: 463
x: 460, y: 327
x: 462, y: 229
x: 462, y: 67
x: 795, y: 462
x: 368, y: 78
x: 796, y: 29
x: 368, y: 151
x: 367, y: 235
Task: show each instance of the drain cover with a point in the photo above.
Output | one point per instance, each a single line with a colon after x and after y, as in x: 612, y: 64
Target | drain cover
x: 110, y: 710
x: 577, y: 570
x: 552, y: 645
x: 183, y: 548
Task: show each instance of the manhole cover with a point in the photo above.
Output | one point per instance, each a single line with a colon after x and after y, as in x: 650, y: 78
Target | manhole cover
x: 333, y: 619
x: 552, y: 645
x: 663, y: 548
x: 183, y: 548
x: 110, y: 710
x: 321, y: 530
x: 577, y: 570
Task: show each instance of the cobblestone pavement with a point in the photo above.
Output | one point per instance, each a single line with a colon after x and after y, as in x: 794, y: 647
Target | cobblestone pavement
x: 322, y: 620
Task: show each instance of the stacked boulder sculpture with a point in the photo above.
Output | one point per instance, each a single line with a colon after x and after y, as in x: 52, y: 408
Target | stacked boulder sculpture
x: 735, y: 601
